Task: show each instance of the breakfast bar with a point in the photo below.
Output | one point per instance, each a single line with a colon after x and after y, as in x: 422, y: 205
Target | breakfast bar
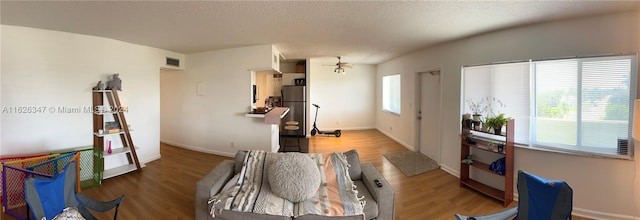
x: 270, y: 118
x: 254, y: 114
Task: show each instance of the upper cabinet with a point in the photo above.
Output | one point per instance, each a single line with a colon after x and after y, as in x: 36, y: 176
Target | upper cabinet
x: 262, y: 57
x: 292, y: 70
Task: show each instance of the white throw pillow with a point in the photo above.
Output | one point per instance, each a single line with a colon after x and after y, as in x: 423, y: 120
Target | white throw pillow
x: 294, y: 177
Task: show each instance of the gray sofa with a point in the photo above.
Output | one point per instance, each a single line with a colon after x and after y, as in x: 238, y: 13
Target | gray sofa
x: 380, y: 201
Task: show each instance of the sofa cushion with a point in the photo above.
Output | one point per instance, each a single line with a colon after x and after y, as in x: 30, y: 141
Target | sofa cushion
x: 371, y: 206
x: 226, y: 214
x: 294, y: 177
x: 354, y: 165
x: 319, y: 217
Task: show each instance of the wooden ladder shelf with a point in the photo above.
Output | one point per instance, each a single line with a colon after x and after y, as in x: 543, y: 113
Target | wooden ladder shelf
x: 504, y: 195
x: 115, y: 109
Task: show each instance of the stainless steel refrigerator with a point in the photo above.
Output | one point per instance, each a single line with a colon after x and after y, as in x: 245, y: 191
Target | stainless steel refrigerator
x: 294, y: 97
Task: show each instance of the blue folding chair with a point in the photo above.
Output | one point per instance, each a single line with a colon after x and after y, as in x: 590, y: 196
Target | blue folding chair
x: 540, y: 199
x: 48, y: 197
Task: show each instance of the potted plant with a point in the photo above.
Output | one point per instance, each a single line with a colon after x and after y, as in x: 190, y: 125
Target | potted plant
x: 486, y: 127
x: 488, y: 124
x: 498, y: 122
x: 477, y: 108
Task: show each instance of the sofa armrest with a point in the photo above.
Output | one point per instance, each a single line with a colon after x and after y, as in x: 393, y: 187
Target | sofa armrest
x: 384, y: 196
x: 211, y: 184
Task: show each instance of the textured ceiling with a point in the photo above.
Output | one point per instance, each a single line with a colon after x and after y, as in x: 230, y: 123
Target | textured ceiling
x: 362, y: 31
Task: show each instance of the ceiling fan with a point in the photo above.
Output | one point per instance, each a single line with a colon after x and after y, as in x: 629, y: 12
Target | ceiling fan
x: 340, y: 66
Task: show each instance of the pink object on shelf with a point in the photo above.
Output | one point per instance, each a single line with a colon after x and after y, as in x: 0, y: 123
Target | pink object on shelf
x: 109, y: 148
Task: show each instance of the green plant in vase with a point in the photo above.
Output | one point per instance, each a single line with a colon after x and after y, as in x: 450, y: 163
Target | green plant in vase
x: 497, y: 122
x: 488, y: 123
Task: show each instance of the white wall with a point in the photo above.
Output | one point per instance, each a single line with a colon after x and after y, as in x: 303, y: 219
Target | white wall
x: 601, y: 186
x: 215, y: 122
x: 346, y: 101
x: 53, y: 69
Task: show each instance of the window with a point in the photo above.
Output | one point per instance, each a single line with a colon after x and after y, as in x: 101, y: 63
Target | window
x: 391, y: 93
x: 583, y: 104
x: 577, y: 105
x: 506, y: 86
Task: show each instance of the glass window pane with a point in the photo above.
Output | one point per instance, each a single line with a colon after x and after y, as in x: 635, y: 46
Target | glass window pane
x: 511, y: 87
x: 477, y: 86
x: 502, y: 88
x: 605, y: 103
x: 391, y: 93
x: 556, y: 95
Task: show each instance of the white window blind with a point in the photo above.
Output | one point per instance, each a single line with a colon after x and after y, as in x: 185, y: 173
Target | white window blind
x: 555, y: 103
x: 391, y: 93
x: 576, y: 105
x: 491, y: 85
x: 584, y: 104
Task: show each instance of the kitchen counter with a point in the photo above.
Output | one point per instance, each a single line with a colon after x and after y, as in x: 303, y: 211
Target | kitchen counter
x: 269, y: 126
x: 261, y: 115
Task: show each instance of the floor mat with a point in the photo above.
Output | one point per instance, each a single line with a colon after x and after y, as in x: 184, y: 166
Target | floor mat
x: 412, y: 163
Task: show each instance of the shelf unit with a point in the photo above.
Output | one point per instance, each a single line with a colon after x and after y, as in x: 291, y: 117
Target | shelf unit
x: 128, y: 148
x: 506, y: 195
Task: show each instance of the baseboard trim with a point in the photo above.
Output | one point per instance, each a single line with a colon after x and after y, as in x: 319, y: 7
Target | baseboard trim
x: 396, y: 140
x: 601, y: 215
x: 449, y: 170
x: 154, y: 157
x: 342, y: 129
x: 199, y: 149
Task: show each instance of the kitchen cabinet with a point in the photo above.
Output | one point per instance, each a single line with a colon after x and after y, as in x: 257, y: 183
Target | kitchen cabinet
x: 289, y: 78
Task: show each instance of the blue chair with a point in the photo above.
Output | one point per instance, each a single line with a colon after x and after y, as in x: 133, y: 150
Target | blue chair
x: 540, y: 199
x: 47, y: 197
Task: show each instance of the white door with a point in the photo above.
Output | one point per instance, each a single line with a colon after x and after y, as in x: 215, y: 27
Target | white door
x: 429, y: 114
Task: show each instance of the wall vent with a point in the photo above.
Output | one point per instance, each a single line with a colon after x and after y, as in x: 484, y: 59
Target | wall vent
x: 623, y: 145
x: 173, y: 62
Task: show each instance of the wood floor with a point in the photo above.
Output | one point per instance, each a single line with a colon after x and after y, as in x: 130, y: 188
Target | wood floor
x: 165, y: 188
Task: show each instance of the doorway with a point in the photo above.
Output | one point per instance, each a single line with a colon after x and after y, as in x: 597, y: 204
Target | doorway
x: 172, y: 115
x: 428, y: 120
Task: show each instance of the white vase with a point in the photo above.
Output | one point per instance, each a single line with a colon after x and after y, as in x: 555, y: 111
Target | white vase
x: 476, y: 117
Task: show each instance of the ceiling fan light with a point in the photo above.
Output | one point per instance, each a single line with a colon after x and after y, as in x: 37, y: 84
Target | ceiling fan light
x: 340, y: 67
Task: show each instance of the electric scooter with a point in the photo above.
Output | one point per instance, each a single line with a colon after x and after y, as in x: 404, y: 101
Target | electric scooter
x: 315, y: 129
